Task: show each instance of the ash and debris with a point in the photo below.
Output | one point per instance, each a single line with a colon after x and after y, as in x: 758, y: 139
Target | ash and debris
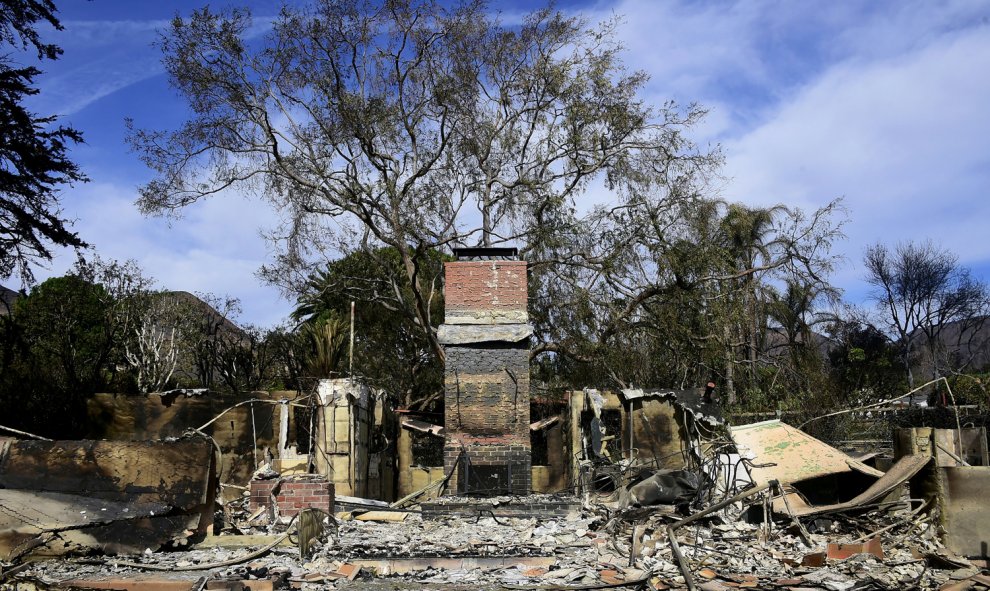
x: 453, y: 538
x: 588, y: 550
x: 500, y: 500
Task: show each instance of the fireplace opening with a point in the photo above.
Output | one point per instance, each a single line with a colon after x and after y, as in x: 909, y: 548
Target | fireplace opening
x: 486, y: 481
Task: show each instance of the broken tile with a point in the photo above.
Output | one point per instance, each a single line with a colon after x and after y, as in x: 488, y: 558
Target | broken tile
x: 813, y: 560
x: 838, y: 551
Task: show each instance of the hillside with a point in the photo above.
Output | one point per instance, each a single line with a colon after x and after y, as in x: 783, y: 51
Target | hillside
x: 201, y: 309
x: 967, y: 347
x: 7, y: 299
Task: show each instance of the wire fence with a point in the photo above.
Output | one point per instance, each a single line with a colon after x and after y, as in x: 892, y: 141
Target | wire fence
x: 872, y: 429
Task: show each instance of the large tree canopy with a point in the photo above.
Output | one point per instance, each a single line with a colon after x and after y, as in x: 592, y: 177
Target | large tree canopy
x: 400, y: 128
x: 414, y: 125
x: 34, y: 162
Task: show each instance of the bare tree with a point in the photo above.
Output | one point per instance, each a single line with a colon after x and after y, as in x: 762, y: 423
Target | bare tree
x: 211, y: 334
x: 153, y: 353
x: 126, y: 297
x: 920, y: 289
x: 247, y: 361
x: 415, y: 125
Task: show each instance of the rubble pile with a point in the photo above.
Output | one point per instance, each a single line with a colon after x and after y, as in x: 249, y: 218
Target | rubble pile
x: 589, y: 550
x: 453, y: 537
x: 762, y: 506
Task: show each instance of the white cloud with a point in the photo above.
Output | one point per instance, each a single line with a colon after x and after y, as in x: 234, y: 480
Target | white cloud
x: 80, y: 35
x: 100, y: 58
x: 686, y: 48
x: 905, y: 140
x: 884, y: 103
x: 68, y: 91
x: 214, y: 248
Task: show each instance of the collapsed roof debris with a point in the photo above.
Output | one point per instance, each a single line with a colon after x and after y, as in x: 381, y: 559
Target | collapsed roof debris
x: 587, y: 550
x: 780, y: 452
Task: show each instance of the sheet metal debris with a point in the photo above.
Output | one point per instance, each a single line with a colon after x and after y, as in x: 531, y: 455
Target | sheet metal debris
x: 666, y: 487
x: 888, y: 483
x: 784, y: 453
x: 781, y: 452
x: 422, y: 426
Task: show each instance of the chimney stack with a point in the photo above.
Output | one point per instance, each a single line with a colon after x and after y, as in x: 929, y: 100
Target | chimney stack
x: 485, y: 335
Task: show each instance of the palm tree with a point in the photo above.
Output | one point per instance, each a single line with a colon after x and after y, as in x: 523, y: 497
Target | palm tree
x: 791, y: 311
x: 326, y: 345
x: 744, y: 236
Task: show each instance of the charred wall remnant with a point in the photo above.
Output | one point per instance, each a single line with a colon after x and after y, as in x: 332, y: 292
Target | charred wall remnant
x: 647, y: 428
x: 486, y: 378
x: 355, y: 431
x: 243, y: 433
x: 59, y: 497
x: 954, y: 483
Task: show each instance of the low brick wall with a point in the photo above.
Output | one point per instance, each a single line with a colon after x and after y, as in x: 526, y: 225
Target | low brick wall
x: 293, y: 494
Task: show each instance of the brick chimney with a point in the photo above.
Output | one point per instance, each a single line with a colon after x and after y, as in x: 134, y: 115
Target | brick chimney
x: 486, y: 379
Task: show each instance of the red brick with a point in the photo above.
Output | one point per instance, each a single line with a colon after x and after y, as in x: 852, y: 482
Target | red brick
x: 292, y: 495
x: 485, y: 285
x: 350, y: 571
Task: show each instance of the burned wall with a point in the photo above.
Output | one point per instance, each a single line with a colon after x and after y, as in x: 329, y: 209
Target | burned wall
x: 420, y: 461
x: 657, y: 433
x: 487, y: 389
x: 119, y: 417
x: 490, y: 358
x: 60, y: 497
x: 355, y: 439
x: 550, y: 455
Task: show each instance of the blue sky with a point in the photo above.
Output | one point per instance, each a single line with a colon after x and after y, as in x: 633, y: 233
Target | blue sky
x: 886, y: 104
